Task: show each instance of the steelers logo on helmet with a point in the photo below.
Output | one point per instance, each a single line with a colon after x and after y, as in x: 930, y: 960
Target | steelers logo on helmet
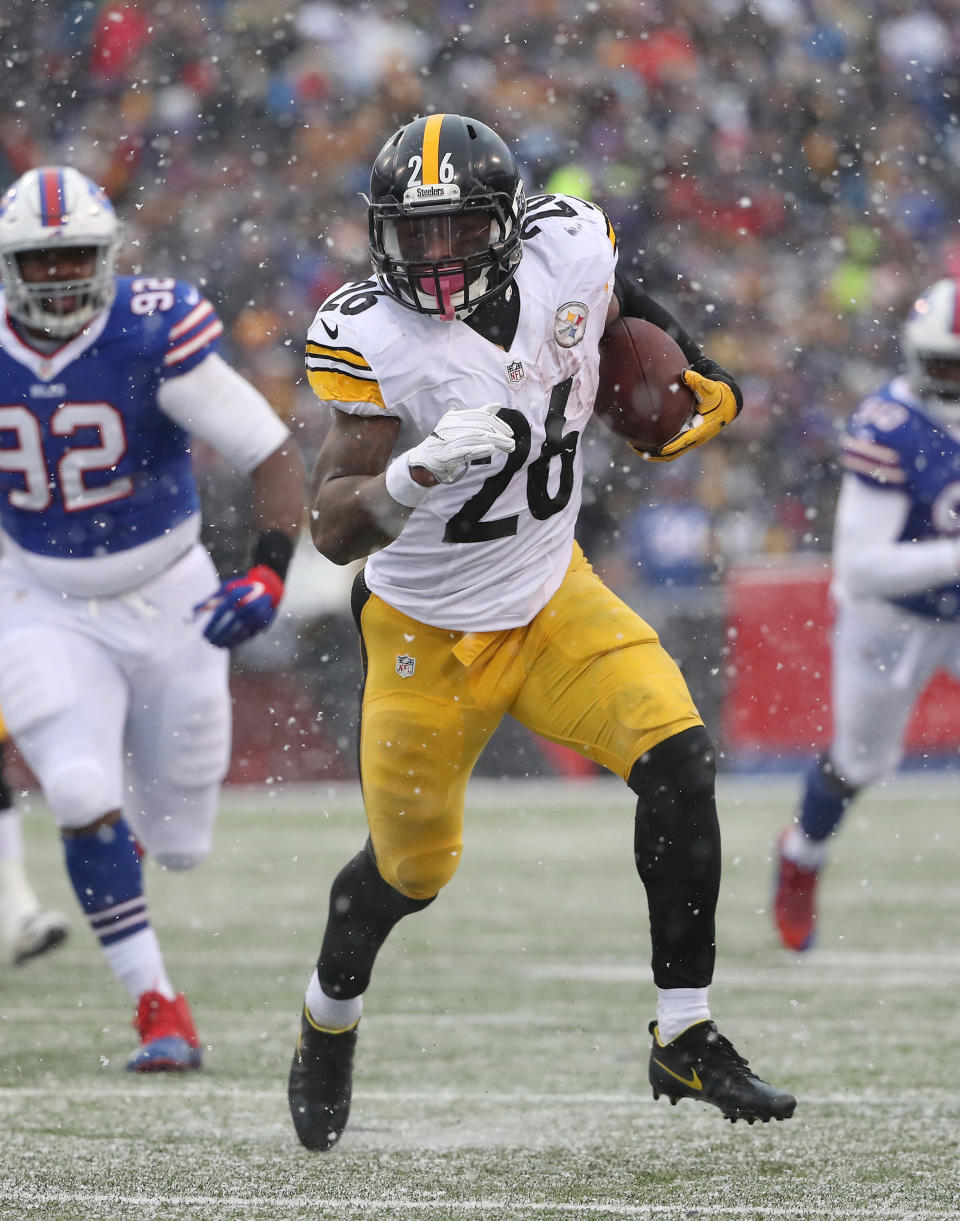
x: 445, y: 208
x: 48, y: 214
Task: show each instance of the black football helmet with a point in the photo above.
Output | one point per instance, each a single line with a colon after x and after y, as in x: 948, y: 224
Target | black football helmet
x: 445, y: 207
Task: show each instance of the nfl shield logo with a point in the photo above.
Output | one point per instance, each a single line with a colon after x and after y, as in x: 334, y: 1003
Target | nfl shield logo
x: 516, y: 372
x: 406, y: 665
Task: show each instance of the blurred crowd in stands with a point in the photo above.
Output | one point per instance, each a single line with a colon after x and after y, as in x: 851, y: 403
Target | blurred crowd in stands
x: 785, y: 174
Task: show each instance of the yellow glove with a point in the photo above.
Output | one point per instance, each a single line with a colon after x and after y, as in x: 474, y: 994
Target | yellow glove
x: 717, y: 406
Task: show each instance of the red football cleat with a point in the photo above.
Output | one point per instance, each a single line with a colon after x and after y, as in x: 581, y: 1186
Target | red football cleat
x: 795, y: 902
x: 169, y: 1043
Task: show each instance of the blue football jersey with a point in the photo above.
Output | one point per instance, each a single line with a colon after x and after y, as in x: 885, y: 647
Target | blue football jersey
x: 890, y: 442
x: 89, y: 464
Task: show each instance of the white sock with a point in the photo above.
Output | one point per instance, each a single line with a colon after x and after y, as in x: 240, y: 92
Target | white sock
x: 11, y: 835
x: 17, y: 899
x: 678, y: 1008
x: 328, y: 1013
x: 798, y: 847
x: 138, y: 964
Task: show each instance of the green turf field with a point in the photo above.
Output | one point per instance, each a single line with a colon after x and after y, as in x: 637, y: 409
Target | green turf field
x: 502, y: 1056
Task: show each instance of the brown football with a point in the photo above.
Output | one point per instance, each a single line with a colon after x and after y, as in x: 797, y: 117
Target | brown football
x: 641, y: 395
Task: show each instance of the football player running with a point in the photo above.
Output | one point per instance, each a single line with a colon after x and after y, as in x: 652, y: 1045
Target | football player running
x: 461, y: 378
x: 26, y: 928
x: 896, y: 581
x: 114, y: 627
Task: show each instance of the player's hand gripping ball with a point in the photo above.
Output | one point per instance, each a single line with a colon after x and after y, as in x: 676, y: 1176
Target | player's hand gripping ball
x: 647, y: 396
x: 716, y: 407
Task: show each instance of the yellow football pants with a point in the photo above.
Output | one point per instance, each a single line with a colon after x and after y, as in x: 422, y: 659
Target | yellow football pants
x: 586, y: 672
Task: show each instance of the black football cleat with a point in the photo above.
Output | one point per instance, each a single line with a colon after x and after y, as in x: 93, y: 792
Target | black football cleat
x: 321, y: 1077
x: 701, y: 1063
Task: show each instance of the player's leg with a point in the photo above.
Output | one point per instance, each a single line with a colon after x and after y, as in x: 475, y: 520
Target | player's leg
x: 881, y: 661
x: 26, y: 928
x: 421, y: 733
x: 177, y: 746
x: 602, y: 684
x: 65, y: 700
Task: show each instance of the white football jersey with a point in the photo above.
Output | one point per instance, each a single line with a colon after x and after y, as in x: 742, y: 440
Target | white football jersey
x: 488, y: 552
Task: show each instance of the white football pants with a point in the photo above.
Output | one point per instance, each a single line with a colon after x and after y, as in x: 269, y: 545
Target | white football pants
x: 120, y: 703
x: 883, y: 658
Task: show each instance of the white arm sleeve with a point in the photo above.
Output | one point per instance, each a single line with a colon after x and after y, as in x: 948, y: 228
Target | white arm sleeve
x: 214, y: 402
x: 867, y: 559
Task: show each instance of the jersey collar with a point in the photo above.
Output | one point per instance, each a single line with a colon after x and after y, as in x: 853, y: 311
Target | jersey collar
x: 46, y: 365
x: 497, y: 319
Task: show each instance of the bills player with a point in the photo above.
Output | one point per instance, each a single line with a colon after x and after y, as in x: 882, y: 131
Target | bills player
x: 113, y: 628
x: 460, y: 379
x: 896, y: 580
x: 26, y: 928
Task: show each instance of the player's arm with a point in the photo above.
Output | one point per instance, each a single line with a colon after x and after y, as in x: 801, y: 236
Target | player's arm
x: 277, y: 494
x: 351, y: 511
x: 718, y: 396
x: 868, y: 558
x: 360, y: 500
x: 214, y: 402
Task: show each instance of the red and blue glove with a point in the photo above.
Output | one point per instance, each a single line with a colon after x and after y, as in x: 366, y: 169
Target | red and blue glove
x: 242, y: 607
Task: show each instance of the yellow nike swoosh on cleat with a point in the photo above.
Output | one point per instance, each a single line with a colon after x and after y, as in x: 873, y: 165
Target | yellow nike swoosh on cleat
x: 694, y: 1082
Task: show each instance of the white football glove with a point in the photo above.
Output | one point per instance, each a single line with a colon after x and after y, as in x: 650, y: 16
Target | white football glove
x: 458, y: 438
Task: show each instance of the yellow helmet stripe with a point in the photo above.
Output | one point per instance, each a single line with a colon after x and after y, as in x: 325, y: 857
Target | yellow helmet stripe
x: 431, y: 150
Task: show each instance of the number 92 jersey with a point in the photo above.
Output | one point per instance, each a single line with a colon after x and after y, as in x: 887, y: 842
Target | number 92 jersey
x: 89, y: 463
x: 488, y: 552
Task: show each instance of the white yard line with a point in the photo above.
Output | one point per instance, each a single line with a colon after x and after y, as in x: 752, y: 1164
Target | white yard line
x: 494, y: 1206
x: 176, y: 1091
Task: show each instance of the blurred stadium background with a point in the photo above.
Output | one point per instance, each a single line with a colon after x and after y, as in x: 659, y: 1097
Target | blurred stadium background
x: 785, y: 173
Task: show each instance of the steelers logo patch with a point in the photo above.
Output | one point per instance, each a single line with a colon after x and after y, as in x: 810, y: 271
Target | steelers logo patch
x: 570, y: 324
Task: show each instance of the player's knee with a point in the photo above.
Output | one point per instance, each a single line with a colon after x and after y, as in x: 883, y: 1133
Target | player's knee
x: 845, y: 776
x: 180, y: 841
x: 676, y: 825
x: 79, y: 793
x: 179, y: 860
x: 680, y: 769
x: 420, y: 875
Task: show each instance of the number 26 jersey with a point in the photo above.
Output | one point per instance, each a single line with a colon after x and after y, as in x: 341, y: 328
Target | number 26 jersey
x: 489, y: 551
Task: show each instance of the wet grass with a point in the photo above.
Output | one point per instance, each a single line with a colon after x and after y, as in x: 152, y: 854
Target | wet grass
x: 501, y: 1070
